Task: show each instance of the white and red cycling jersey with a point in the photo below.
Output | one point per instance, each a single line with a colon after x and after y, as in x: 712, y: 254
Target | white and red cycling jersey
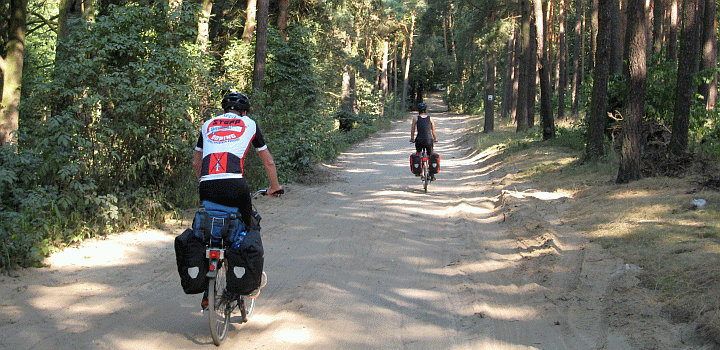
x: 224, y: 142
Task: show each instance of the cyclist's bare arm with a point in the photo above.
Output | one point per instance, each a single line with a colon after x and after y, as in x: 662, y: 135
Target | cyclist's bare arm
x: 197, y: 163
x: 432, y: 127
x: 412, y: 129
x: 271, y: 172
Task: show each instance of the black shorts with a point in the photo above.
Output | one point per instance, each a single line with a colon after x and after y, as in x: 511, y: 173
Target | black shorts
x: 229, y: 192
x: 421, y: 144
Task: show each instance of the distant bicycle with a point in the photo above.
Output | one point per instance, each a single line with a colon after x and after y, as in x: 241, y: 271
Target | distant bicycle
x: 221, y: 303
x: 425, y: 176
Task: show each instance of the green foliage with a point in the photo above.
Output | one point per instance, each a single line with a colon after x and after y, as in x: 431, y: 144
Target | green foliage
x: 660, y: 92
x: 572, y: 137
x: 467, y: 97
x: 108, y: 140
x: 707, y: 135
x: 108, y: 126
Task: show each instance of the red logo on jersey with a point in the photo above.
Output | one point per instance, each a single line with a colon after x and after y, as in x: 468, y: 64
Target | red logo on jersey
x: 223, y: 130
x: 218, y: 163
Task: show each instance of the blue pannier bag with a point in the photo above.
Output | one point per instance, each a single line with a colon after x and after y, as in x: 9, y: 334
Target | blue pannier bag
x: 215, y: 221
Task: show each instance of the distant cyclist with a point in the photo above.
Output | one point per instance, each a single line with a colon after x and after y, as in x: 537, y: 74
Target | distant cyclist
x: 426, y: 136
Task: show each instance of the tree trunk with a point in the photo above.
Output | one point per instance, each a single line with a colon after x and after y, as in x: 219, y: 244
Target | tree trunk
x: 408, y: 56
x: 672, y: 53
x: 395, y: 64
x: 282, y: 18
x: 578, y: 55
x: 509, y: 101
x: 347, y: 101
x: 658, y: 22
x: 384, y: 83
x: 489, y: 92
x: 12, y: 66
x: 451, y: 28
x: 598, y: 104
x: 688, y: 61
x: 250, y: 20
x: 69, y: 10
x: 445, y: 34
x: 548, y: 123
x: 203, y: 37
x: 533, y: 76
x: 630, y: 165
x: 562, y: 64
x: 523, y: 82
x: 617, y: 39
x: 709, y: 55
x: 594, y: 24
x: 260, y: 46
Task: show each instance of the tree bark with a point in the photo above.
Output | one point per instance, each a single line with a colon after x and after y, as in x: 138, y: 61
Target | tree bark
x: 578, y: 55
x: 509, y: 101
x: 524, y: 61
x: 546, y: 116
x: 672, y: 53
x: 533, y: 76
x: 69, y: 10
x: 688, y: 61
x: 562, y: 63
x: 260, y: 46
x: 709, y: 54
x: 594, y: 147
x: 408, y: 56
x: 251, y: 20
x: 594, y: 29
x: 12, y: 66
x: 617, y: 39
x: 630, y: 164
x: 282, y: 18
x: 347, y: 100
x: 384, y: 83
x: 659, y: 25
x: 203, y: 37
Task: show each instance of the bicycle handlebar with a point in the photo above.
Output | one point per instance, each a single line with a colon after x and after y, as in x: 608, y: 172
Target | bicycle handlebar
x: 264, y: 193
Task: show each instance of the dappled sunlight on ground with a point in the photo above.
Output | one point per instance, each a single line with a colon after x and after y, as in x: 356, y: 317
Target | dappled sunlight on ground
x: 367, y: 261
x: 107, y: 251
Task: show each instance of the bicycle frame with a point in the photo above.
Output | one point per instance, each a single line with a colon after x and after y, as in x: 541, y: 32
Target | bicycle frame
x: 219, y: 310
x: 426, y: 178
x: 425, y: 171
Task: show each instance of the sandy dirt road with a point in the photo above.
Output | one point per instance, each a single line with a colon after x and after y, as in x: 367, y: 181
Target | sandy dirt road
x: 363, y: 261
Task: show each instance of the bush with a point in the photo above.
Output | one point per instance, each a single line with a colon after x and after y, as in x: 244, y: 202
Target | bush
x: 103, y: 145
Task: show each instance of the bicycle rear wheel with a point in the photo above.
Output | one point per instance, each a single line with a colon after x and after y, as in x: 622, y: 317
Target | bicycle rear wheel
x: 426, y: 176
x: 218, y: 310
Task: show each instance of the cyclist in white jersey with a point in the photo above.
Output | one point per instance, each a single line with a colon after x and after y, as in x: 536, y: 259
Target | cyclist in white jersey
x: 220, y: 155
x: 220, y: 158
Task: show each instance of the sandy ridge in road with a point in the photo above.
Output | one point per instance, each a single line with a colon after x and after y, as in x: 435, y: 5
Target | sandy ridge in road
x: 366, y: 261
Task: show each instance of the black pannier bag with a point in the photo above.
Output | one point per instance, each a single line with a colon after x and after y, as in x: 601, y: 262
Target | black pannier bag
x: 191, y: 263
x: 416, y: 163
x: 245, y: 259
x: 434, y: 163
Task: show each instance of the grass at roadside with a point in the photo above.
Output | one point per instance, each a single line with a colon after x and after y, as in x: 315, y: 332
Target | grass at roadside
x: 651, y: 223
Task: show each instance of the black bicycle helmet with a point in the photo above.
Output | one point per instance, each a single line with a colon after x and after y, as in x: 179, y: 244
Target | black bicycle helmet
x: 422, y: 107
x: 235, y: 101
